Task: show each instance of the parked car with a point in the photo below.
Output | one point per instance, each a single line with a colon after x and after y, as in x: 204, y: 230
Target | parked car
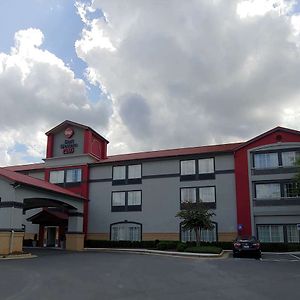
x: 248, y: 245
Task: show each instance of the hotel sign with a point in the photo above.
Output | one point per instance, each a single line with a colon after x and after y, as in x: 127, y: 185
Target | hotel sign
x: 69, y: 145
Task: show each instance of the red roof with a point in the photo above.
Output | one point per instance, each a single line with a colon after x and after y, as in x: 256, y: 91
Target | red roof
x: 258, y: 137
x: 41, y: 184
x: 172, y: 152
x: 57, y: 214
x: 29, y: 167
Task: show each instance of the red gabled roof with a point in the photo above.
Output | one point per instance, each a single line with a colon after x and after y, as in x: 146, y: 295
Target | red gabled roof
x: 40, y: 184
x: 67, y: 122
x: 57, y: 214
x: 258, y: 137
x: 171, y: 152
x: 29, y: 167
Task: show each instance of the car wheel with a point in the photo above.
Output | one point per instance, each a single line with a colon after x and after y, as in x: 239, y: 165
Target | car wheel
x: 235, y: 254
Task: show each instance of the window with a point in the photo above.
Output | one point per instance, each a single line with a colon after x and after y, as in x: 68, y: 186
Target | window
x: 289, y: 158
x: 203, y: 168
x: 206, y: 165
x: 268, y: 191
x: 205, y: 235
x: 134, y: 198
x: 207, y: 194
x: 291, y: 190
x: 73, y: 175
x: 188, y: 195
x: 118, y: 199
x: 57, y: 177
x: 270, y: 233
x: 266, y: 160
x: 119, y: 173
x: 126, y: 231
x: 187, y: 167
x: 134, y: 171
x: 293, y: 234
x: 126, y: 201
x: 131, y: 174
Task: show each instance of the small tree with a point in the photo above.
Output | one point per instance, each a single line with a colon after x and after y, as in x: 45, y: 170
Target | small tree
x: 196, y: 216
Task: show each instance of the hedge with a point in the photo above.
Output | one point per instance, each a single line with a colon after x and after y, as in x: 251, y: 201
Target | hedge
x: 120, y: 244
x: 204, y: 249
x: 280, y: 247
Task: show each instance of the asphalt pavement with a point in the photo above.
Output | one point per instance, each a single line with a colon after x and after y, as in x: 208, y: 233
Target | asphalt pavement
x: 56, y: 274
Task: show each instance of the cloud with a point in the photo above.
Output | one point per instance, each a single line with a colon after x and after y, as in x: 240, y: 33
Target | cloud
x: 38, y: 91
x: 198, y: 72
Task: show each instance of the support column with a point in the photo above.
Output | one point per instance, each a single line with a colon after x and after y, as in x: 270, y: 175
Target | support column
x: 11, y: 231
x: 75, y: 235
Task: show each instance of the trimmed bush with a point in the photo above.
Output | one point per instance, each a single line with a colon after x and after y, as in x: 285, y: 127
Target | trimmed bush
x: 167, y: 245
x: 280, y: 247
x: 204, y: 249
x: 181, y: 247
x: 120, y: 244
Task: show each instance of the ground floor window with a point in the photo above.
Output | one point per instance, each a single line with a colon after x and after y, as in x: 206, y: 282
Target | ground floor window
x: 126, y: 231
x: 206, y: 235
x: 285, y: 233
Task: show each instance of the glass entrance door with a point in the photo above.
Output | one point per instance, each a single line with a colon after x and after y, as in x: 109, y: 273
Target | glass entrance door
x: 51, y: 236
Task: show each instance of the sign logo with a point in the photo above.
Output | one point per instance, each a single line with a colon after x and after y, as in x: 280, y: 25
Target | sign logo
x: 69, y: 132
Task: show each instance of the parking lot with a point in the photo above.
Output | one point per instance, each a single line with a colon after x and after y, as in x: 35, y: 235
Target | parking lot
x: 58, y: 274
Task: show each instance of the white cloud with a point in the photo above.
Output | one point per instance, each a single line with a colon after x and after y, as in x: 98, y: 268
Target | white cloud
x: 38, y: 91
x: 193, y: 72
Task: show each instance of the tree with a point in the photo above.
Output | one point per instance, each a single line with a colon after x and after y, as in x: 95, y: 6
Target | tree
x: 196, y: 216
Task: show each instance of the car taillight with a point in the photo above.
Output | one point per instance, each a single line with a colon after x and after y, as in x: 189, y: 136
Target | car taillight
x: 237, y: 245
x: 256, y: 245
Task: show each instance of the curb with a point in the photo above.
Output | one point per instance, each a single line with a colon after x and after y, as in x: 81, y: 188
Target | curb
x: 17, y: 256
x: 157, y: 252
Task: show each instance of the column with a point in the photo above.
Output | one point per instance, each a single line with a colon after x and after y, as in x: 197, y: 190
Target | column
x: 75, y: 235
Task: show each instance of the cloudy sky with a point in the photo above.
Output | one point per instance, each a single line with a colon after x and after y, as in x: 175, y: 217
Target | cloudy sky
x: 147, y: 75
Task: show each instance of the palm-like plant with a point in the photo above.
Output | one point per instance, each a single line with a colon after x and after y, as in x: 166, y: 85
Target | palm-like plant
x: 196, y: 216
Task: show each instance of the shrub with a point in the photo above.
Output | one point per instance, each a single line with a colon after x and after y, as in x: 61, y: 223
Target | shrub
x: 167, y: 245
x: 27, y: 243
x: 181, y: 247
x: 280, y: 247
x: 120, y: 244
x: 204, y: 249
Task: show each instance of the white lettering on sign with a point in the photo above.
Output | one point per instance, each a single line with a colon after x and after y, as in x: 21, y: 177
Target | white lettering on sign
x: 68, y: 147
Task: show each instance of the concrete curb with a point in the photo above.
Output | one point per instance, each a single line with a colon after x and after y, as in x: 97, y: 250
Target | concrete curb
x: 157, y: 252
x: 17, y: 256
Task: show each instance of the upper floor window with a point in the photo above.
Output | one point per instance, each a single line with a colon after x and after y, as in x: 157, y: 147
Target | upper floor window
x: 267, y: 191
x: 203, y: 168
x: 291, y: 190
x: 57, y: 176
x: 266, y: 160
x: 131, y: 174
x: 289, y: 158
x: 67, y: 176
x: 126, y: 201
x: 198, y: 194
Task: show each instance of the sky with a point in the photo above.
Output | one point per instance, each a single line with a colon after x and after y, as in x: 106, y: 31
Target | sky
x: 147, y: 75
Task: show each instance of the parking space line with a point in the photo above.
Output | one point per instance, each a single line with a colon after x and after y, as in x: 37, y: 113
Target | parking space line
x: 295, y: 256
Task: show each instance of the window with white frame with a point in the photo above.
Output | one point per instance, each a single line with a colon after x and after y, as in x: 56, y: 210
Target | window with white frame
x: 126, y: 232
x: 134, y: 171
x: 188, y: 195
x: 57, y: 176
x: 206, y: 165
x: 270, y: 233
x: 187, y: 167
x: 205, y: 235
x: 134, y: 198
x: 118, y: 198
x: 289, y: 158
x: 73, y: 175
x: 207, y: 194
x: 267, y: 191
x: 119, y: 173
x: 266, y: 160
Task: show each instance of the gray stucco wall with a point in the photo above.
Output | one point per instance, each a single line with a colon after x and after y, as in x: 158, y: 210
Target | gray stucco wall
x: 160, y: 197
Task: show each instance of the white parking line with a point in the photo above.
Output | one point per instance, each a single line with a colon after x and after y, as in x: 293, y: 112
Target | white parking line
x: 295, y: 256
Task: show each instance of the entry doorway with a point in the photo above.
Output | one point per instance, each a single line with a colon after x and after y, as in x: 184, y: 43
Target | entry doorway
x: 51, y: 236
